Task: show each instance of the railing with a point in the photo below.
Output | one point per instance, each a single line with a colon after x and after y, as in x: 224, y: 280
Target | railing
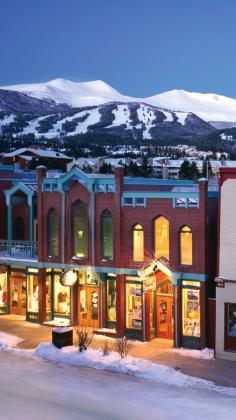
x: 18, y: 249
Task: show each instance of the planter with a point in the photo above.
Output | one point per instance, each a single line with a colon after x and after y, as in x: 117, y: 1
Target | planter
x: 62, y: 337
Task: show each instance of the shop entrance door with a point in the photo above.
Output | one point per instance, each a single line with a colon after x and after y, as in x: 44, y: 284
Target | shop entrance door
x: 89, y: 306
x: 165, y: 316
x: 18, y: 296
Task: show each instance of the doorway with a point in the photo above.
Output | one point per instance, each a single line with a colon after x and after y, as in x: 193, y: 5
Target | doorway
x: 18, y: 296
x: 89, y: 306
x: 165, y: 316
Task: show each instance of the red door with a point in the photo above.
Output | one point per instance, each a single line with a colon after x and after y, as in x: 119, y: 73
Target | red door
x: 165, y: 316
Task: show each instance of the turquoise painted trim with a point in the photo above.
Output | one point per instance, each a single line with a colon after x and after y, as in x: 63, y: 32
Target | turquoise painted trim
x: 19, y: 186
x: 7, y: 167
x: 154, y: 181
x: 194, y: 276
x: 160, y: 194
x: 31, y: 233
x: 9, y: 221
x: 59, y: 184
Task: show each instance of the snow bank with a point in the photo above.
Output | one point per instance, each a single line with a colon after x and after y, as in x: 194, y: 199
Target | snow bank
x: 9, y: 340
x: 206, y: 353
x: 130, y: 365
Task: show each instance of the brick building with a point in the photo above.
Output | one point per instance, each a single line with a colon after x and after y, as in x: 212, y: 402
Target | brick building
x: 125, y: 256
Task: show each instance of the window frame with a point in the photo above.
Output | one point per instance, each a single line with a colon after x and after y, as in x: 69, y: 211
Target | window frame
x: 52, y: 212
x: 106, y: 213
x: 180, y: 245
x: 76, y: 205
x: 134, y: 229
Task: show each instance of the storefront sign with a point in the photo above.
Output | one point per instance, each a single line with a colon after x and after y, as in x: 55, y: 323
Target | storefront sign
x: 220, y: 282
x: 149, y: 284
x: 68, y: 278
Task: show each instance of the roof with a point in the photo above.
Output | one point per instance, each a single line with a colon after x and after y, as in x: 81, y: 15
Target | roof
x: 38, y: 152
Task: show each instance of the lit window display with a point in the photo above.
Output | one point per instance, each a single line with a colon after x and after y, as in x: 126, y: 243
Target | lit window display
x: 232, y: 319
x: 80, y: 229
x: 138, y: 243
x: 191, y: 312
x: 32, y: 294
x: 48, y: 294
x: 61, y: 298
x: 134, y: 313
x: 3, y: 292
x: 87, y: 278
x: 111, y: 301
x: 186, y: 246
x: 162, y: 246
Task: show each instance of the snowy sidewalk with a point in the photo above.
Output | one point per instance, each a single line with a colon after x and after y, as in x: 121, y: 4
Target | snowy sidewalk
x: 158, y: 351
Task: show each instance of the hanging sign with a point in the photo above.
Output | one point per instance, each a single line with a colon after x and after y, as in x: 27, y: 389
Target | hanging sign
x: 3, y: 268
x: 68, y: 278
x: 149, y: 284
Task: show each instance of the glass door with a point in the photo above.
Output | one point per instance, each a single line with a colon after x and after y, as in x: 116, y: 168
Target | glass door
x: 18, y: 296
x: 165, y: 316
x: 89, y: 301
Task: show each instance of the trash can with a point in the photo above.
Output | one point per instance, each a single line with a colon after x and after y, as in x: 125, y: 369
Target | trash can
x: 62, y: 337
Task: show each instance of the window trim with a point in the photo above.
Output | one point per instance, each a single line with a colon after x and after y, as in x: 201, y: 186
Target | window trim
x: 106, y: 213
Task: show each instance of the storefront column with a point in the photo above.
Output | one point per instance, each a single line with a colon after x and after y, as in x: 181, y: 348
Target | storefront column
x: 177, y: 316
x: 31, y: 217
x: 74, y: 304
x: 9, y: 220
x: 146, y: 317
x: 120, y: 304
x: 42, y: 295
x: 203, y: 315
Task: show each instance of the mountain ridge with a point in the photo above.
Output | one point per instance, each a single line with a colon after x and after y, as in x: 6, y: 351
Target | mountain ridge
x: 208, y: 106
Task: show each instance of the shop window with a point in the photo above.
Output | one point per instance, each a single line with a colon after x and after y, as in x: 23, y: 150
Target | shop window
x: 61, y: 298
x: 87, y: 278
x: 48, y: 295
x: 134, y: 313
x: 138, y: 243
x: 80, y: 229
x: 107, y: 235
x: 53, y: 233
x: 3, y: 293
x: 161, y: 235
x: 191, y: 312
x: 111, y: 301
x: 186, y: 246
x: 32, y: 294
x: 231, y: 327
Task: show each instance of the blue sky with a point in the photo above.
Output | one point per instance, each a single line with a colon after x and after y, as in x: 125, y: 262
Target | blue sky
x: 140, y: 47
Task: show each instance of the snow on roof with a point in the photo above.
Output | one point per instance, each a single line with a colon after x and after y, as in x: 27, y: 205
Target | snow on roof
x: 39, y: 152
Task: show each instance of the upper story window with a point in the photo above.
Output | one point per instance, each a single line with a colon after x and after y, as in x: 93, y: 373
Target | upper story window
x: 186, y: 246
x: 80, y: 229
x: 138, y: 243
x: 19, y: 229
x: 161, y: 238
x: 107, y: 235
x: 53, y: 233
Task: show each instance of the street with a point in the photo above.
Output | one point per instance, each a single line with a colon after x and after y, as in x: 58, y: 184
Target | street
x: 32, y: 389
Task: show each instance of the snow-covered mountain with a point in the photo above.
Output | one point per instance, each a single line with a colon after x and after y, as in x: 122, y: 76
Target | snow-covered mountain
x: 74, y: 94
x: 207, y: 106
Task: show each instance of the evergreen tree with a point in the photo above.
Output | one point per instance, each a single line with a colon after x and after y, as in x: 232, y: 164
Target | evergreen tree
x: 185, y: 170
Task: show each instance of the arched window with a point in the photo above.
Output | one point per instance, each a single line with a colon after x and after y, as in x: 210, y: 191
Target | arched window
x: 53, y: 233
x: 107, y: 235
x: 80, y: 229
x: 138, y: 243
x: 19, y: 229
x: 161, y: 238
x: 186, y: 246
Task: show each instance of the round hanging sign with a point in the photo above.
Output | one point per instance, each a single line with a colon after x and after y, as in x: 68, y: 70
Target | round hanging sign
x: 68, y: 278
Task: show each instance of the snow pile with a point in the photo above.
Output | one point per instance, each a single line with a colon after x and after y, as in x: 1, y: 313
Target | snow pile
x: 206, y: 353
x: 130, y: 366
x: 9, y: 340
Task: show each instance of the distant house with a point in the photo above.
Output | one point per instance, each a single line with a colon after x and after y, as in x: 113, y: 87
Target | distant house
x: 24, y: 158
x: 227, y: 137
